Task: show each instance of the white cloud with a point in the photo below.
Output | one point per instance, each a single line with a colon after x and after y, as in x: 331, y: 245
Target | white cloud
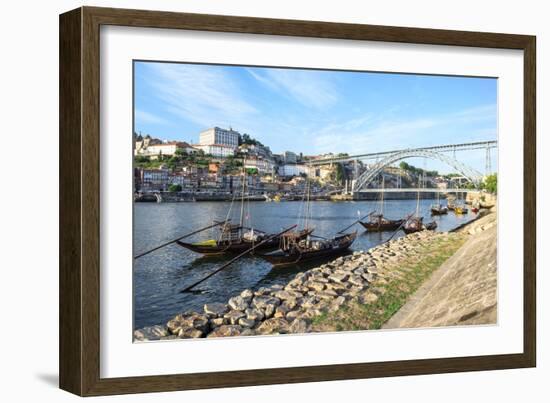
x: 368, y: 134
x: 143, y: 117
x: 200, y: 94
x: 312, y: 89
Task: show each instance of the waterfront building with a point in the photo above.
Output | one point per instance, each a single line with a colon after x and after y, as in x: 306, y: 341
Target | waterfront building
x: 153, y: 179
x: 218, y: 136
x: 185, y: 181
x: 217, y: 150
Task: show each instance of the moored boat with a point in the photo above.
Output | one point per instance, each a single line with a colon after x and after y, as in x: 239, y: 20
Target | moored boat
x: 237, y: 239
x: 414, y: 224
x: 438, y: 209
x: 294, y: 252
x: 379, y: 223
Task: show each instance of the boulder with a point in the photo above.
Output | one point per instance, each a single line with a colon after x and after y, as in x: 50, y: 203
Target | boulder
x: 269, y: 310
x: 189, y: 333
x: 151, y: 333
x: 248, y: 332
x: 216, y: 308
x: 254, y: 314
x: 263, y: 301
x: 338, y: 277
x: 247, y: 323
x: 356, y: 280
x: 189, y: 320
x: 215, y: 322
x: 234, y: 316
x: 238, y: 303
x: 273, y: 326
x: 226, y: 331
x: 298, y: 326
x: 285, y: 294
x: 315, y: 285
x: 247, y: 294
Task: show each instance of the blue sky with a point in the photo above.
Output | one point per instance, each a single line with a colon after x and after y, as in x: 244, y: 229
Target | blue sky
x: 314, y: 111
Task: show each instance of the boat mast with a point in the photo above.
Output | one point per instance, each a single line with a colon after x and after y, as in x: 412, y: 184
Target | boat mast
x: 418, y: 202
x: 382, y: 198
x: 308, y: 188
x: 242, y: 193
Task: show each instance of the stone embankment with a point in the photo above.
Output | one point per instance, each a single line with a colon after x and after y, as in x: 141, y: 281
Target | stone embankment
x: 306, y: 303
x: 463, y: 291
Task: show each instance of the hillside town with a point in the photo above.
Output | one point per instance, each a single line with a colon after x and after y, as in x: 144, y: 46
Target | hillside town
x: 215, y: 168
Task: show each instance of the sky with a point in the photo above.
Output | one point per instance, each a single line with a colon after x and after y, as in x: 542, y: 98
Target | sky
x: 317, y: 111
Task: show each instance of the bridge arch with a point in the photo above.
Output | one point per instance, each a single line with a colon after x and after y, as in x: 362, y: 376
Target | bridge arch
x: 369, y: 175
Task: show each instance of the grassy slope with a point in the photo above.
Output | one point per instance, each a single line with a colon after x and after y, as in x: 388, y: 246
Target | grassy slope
x: 397, y: 283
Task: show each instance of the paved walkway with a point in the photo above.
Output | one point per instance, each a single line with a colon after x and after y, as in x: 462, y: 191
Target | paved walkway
x: 463, y: 291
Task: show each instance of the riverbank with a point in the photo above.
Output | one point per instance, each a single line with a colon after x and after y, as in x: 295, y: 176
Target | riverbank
x: 359, y: 291
x: 463, y: 291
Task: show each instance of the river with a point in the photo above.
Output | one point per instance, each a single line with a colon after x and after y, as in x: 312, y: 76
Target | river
x: 159, y: 276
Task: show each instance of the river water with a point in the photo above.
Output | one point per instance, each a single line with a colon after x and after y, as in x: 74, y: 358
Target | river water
x: 159, y: 276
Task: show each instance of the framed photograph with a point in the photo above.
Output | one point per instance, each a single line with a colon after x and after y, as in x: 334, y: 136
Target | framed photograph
x: 248, y: 201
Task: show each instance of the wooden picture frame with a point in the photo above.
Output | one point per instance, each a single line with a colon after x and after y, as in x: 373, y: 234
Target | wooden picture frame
x: 80, y: 198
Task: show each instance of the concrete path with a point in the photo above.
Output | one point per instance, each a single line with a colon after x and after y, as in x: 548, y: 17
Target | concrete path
x: 463, y: 291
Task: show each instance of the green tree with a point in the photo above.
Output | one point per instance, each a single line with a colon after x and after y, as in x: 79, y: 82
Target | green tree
x: 491, y: 183
x: 339, y: 174
x: 174, y: 187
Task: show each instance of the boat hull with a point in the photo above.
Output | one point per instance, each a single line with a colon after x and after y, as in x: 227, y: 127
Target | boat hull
x: 221, y: 248
x: 281, y: 258
x: 390, y: 225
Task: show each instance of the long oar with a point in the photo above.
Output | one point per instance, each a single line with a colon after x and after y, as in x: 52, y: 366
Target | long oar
x: 186, y: 289
x: 181, y: 237
x: 355, y: 222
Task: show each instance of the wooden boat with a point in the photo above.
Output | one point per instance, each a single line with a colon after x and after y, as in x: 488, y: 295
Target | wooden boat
x: 414, y: 224
x: 438, y: 209
x: 460, y: 210
x: 379, y: 223
x: 237, y: 239
x: 292, y: 252
x: 431, y: 226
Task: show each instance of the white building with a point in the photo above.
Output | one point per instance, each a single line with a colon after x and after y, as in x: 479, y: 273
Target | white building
x: 217, y: 150
x: 292, y: 170
x: 263, y: 166
x: 166, y: 149
x: 216, y: 135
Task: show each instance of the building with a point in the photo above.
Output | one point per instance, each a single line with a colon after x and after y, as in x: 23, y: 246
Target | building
x: 292, y: 170
x: 263, y: 166
x: 216, y: 150
x: 153, y: 179
x: 218, y: 136
x: 290, y: 157
x: 167, y: 148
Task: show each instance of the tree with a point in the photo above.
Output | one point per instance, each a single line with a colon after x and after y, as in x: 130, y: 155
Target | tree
x: 339, y: 174
x: 491, y: 183
x: 174, y: 187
